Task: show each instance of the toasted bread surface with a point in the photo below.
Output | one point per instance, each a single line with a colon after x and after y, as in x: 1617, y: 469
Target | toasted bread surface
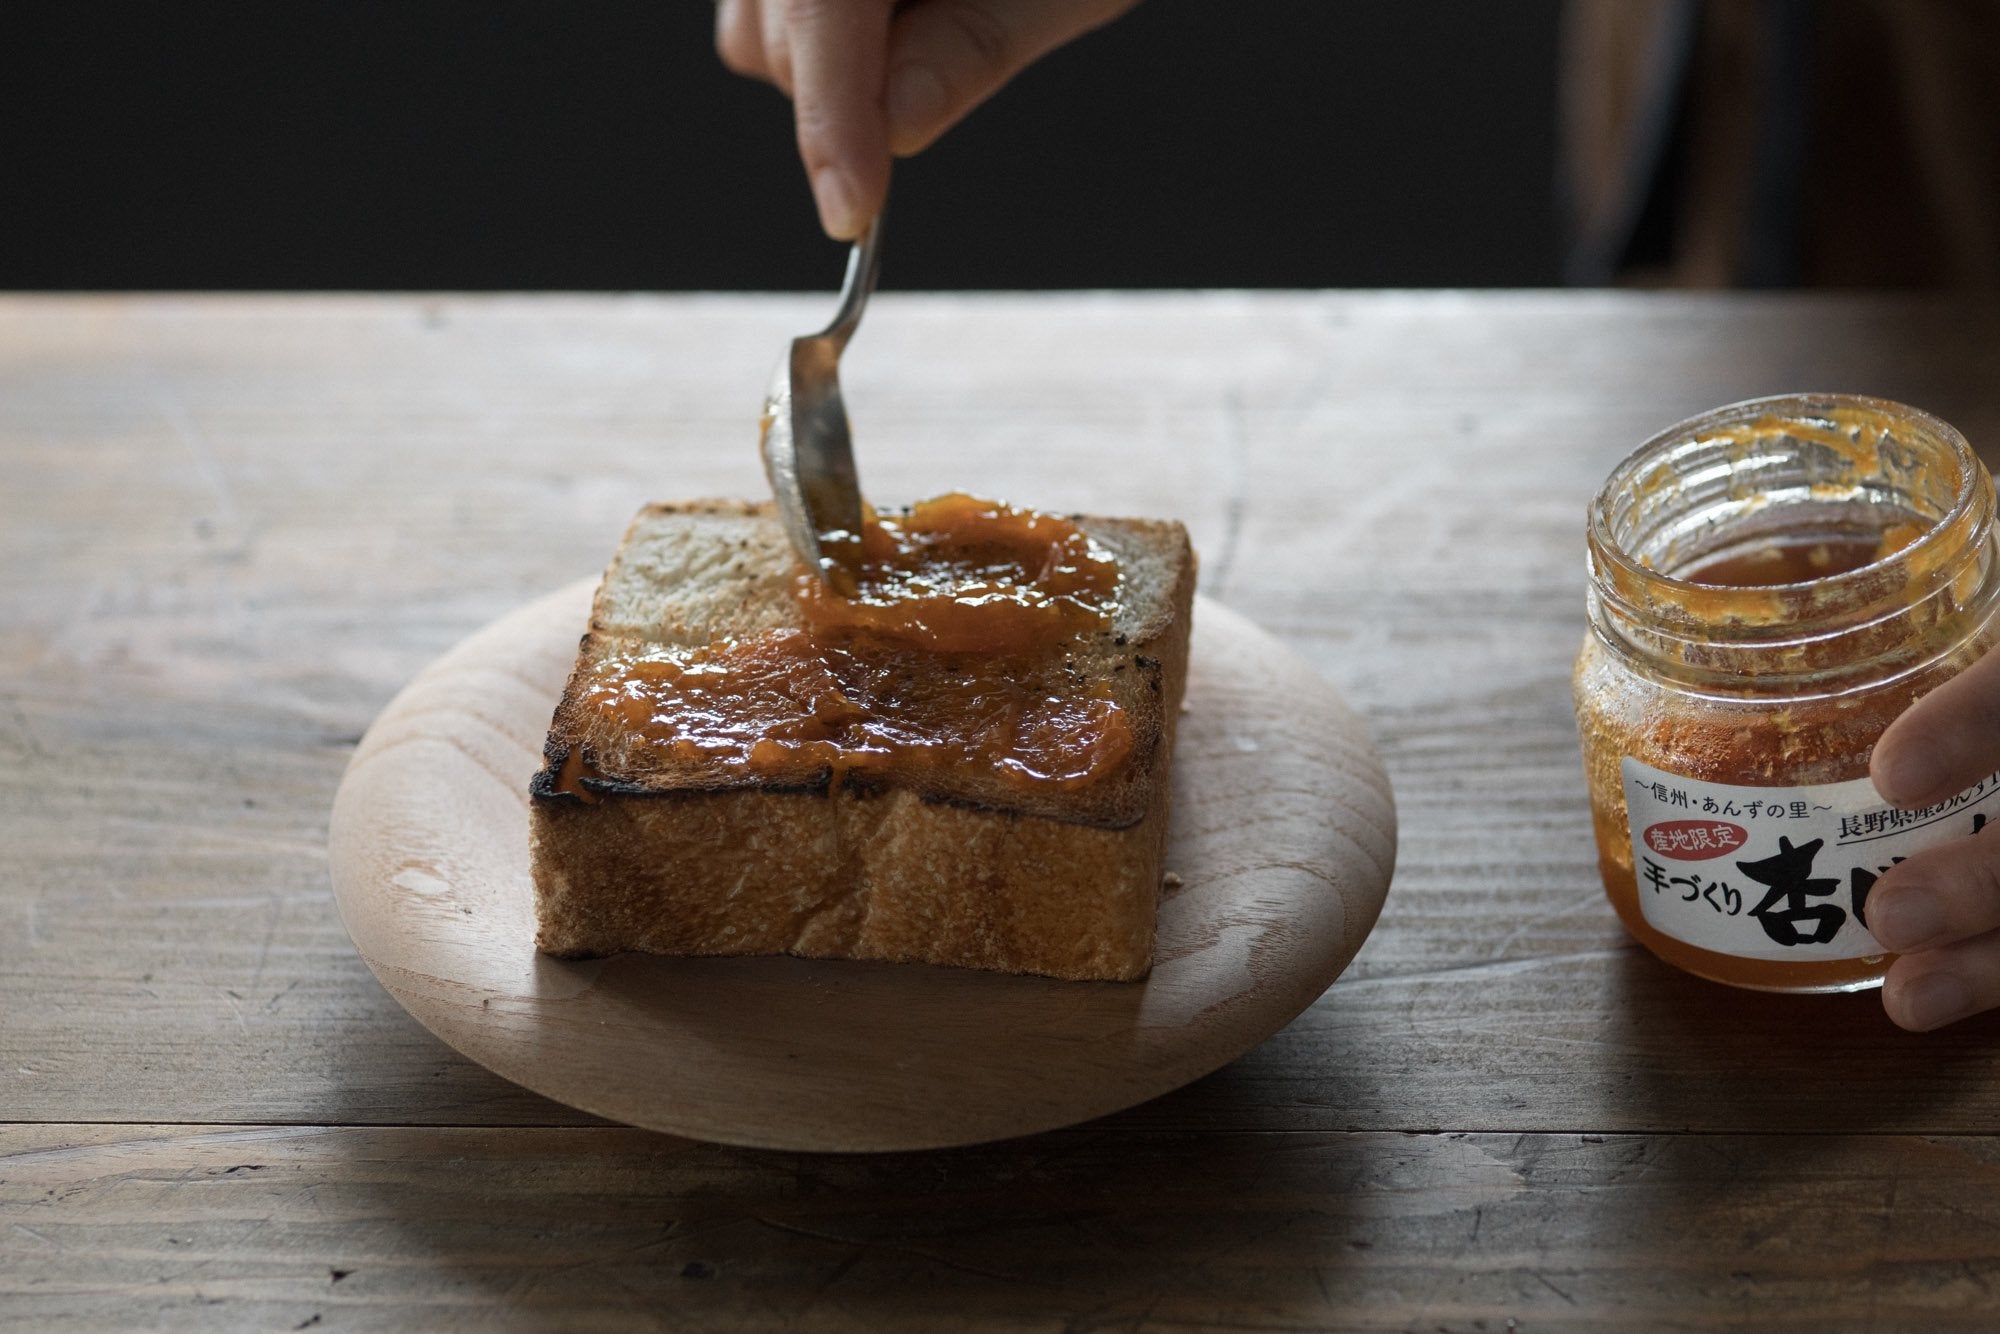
x: 673, y: 855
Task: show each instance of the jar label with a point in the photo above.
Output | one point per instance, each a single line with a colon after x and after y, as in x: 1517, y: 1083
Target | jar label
x: 1777, y: 872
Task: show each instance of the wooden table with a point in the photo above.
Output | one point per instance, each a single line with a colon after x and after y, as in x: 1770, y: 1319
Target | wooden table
x: 231, y: 528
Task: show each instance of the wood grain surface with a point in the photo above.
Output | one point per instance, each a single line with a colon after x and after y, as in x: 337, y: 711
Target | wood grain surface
x: 1281, y: 848
x: 232, y: 528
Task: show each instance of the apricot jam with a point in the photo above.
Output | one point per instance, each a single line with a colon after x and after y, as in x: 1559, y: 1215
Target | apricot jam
x: 1804, y: 559
x: 962, y: 575
x: 948, y: 653
x: 1772, y: 584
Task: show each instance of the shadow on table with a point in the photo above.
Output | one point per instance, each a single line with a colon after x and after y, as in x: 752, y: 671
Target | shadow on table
x: 1202, y: 1209
x: 1697, y: 1055
x: 1100, y: 1229
x: 1087, y: 1228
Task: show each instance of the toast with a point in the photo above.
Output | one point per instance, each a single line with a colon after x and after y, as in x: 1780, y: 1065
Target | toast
x: 662, y: 849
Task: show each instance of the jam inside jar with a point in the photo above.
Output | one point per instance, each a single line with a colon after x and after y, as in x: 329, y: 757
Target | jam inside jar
x: 1771, y: 585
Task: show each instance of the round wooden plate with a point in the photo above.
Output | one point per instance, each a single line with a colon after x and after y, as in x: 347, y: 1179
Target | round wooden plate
x: 1283, y: 839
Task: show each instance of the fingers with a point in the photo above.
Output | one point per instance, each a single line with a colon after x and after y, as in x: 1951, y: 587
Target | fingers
x: 775, y: 23
x: 1941, y: 911
x: 870, y: 76
x: 1938, y: 987
x: 753, y: 40
x: 1945, y: 742
x: 948, y: 56
x: 739, y: 37
x: 1943, y: 894
x: 827, y: 55
x: 837, y: 54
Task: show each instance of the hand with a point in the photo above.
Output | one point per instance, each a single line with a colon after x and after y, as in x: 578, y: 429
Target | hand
x: 871, y: 78
x: 1941, y: 909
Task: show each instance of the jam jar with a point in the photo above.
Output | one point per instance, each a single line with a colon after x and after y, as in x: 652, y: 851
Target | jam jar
x: 1771, y: 585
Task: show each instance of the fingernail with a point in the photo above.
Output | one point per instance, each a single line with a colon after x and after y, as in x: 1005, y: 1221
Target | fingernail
x: 1907, y: 777
x: 916, y: 105
x: 1908, y: 919
x: 839, y: 209
x: 1935, y: 999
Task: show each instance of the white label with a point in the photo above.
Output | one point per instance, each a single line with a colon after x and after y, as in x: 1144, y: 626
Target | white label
x: 1777, y: 872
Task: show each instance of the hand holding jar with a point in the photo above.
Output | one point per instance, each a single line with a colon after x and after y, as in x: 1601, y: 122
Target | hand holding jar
x: 1773, y: 586
x: 1940, y: 909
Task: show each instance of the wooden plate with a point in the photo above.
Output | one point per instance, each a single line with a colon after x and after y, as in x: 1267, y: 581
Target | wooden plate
x: 1283, y: 839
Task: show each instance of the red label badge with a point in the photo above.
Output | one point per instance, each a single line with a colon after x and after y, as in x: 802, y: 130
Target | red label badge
x: 1694, y: 840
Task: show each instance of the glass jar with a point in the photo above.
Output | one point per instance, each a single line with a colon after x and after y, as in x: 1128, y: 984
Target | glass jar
x: 1771, y: 584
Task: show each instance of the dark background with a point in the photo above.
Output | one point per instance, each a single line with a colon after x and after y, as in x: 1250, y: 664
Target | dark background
x: 599, y: 144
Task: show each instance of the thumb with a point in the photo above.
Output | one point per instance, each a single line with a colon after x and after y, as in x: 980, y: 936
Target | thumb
x: 948, y: 56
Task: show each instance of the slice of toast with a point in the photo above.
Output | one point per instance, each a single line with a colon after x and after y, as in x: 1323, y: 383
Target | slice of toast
x: 635, y: 848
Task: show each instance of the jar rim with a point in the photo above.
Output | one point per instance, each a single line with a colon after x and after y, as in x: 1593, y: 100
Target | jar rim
x: 1790, y: 407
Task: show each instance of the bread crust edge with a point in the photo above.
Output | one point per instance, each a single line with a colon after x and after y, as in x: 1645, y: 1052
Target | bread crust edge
x: 863, y: 870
